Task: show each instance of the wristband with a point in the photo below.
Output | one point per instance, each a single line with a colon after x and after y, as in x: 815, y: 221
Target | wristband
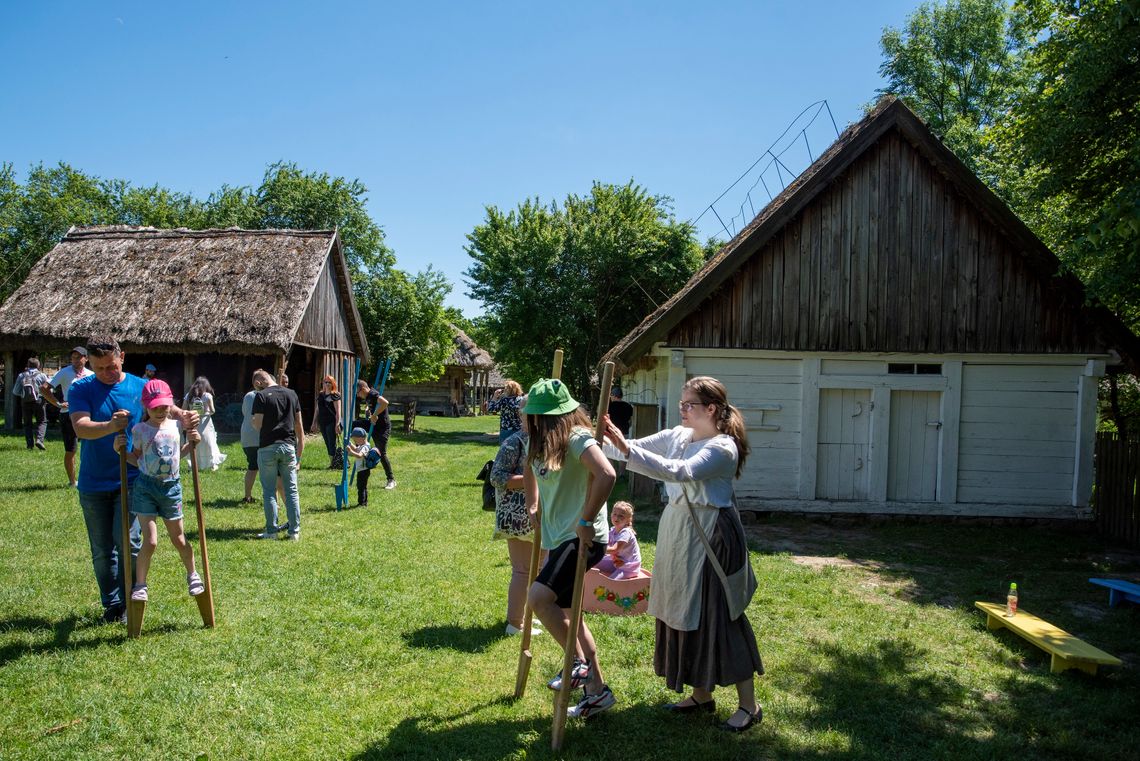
x: 584, y: 522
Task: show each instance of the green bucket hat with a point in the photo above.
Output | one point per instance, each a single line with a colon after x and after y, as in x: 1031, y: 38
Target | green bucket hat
x: 549, y: 397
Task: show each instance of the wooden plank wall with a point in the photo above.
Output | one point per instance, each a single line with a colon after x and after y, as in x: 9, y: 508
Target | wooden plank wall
x: 324, y: 324
x: 889, y: 258
x: 1117, y: 496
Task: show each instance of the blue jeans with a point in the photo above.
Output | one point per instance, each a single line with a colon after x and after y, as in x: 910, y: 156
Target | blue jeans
x: 279, y: 460
x: 328, y: 432
x: 103, y: 516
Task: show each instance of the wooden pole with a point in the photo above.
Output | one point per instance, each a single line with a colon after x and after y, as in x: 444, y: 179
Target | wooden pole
x: 525, y: 655
x: 206, y: 599
x: 136, y: 610
x: 562, y: 697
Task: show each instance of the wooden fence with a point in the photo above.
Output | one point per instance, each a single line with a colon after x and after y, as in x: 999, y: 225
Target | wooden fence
x: 1116, y: 496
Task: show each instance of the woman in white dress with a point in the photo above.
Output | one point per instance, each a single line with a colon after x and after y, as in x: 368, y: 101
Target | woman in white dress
x: 200, y: 398
x: 698, y: 643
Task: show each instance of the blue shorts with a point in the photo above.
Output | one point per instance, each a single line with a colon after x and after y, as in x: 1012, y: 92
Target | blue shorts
x: 151, y: 496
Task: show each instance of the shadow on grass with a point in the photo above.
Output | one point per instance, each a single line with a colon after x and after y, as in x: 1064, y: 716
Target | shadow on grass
x: 70, y: 633
x: 465, y: 639
x: 432, y: 437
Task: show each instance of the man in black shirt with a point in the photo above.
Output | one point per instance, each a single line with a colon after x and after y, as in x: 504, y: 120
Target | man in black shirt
x: 621, y: 412
x: 281, y: 439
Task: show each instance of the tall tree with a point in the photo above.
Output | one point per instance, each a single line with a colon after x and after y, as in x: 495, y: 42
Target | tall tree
x: 405, y: 320
x: 577, y: 276
x: 955, y: 65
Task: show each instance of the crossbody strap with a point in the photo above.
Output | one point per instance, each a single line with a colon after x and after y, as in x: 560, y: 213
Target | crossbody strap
x: 708, y: 548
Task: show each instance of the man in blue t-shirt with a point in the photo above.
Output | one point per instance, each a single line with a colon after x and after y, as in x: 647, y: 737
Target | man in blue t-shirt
x: 102, y: 405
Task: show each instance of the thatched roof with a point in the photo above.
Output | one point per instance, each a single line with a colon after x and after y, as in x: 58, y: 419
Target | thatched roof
x: 467, y: 353
x: 888, y: 114
x: 229, y: 291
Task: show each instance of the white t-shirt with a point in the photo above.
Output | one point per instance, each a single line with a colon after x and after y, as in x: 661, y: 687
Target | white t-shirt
x: 159, y: 448
x: 65, y: 377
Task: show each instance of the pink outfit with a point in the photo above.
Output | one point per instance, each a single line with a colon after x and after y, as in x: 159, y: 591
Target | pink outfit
x: 630, y: 554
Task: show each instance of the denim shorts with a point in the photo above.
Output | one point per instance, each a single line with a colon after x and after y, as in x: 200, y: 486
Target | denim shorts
x: 151, y: 496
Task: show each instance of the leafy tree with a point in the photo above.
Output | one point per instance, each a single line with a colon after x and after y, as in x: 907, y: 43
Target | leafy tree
x: 405, y: 320
x: 577, y: 276
x: 955, y: 65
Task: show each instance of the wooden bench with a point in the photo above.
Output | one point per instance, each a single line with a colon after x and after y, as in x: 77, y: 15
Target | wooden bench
x: 1119, y: 590
x: 1068, y: 652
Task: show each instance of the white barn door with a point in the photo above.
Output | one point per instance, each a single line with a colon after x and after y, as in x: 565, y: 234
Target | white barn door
x: 912, y: 468
x: 843, y: 471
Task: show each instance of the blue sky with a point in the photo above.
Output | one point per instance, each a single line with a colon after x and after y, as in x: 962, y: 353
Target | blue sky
x: 440, y: 108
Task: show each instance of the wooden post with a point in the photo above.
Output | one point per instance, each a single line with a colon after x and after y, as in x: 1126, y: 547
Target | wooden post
x: 525, y: 655
x: 206, y: 599
x: 135, y: 610
x: 562, y: 697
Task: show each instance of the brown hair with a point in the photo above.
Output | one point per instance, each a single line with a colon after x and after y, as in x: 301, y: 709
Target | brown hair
x: 512, y: 388
x: 728, y: 418
x: 331, y: 381
x: 103, y: 346
x: 550, y: 436
x: 623, y: 507
x: 263, y: 377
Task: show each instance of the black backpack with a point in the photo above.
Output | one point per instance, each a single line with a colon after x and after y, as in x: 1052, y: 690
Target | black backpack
x: 488, y: 487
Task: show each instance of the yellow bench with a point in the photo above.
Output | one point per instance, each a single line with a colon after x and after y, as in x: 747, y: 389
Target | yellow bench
x: 1068, y: 652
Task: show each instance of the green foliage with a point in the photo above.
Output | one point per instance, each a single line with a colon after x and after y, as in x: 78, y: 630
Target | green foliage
x: 954, y: 64
x: 405, y: 320
x: 577, y: 276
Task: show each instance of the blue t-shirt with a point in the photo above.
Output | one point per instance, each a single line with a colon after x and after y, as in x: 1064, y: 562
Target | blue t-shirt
x: 98, y: 460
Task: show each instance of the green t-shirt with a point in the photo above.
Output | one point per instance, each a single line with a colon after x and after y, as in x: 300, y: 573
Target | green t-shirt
x: 563, y: 493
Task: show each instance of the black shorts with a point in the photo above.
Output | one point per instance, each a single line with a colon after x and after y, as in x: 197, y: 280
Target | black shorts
x: 250, y: 457
x: 558, y: 572
x: 68, y: 431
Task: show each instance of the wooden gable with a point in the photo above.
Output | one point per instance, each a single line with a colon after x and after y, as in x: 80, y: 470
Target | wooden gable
x: 324, y: 324
x: 892, y: 257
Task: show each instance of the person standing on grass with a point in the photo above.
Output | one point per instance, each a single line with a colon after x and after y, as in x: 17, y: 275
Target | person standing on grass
x: 369, y: 457
x: 156, y: 450
x: 250, y: 440
x: 561, y: 458
x: 28, y: 387
x: 281, y: 442
x: 372, y: 410
x: 102, y: 405
x: 201, y: 397
x: 512, y: 523
x: 697, y: 642
x: 506, y: 401
x: 62, y: 380
x: 328, y: 419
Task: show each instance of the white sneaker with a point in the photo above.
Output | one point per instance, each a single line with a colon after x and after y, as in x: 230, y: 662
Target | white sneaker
x: 268, y: 535
x: 391, y: 484
x: 513, y: 630
x: 591, y: 705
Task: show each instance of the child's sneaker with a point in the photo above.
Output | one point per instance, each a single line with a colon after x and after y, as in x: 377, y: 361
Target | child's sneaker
x: 194, y: 582
x: 592, y: 705
x: 579, y: 675
x: 391, y: 484
x: 138, y: 593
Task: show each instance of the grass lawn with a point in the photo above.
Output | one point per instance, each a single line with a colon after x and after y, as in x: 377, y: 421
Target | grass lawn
x: 380, y: 635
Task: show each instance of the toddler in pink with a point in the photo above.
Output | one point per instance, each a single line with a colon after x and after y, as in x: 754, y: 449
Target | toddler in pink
x: 623, y: 557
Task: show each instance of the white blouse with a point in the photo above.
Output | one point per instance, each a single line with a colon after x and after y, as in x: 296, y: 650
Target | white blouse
x: 703, y: 470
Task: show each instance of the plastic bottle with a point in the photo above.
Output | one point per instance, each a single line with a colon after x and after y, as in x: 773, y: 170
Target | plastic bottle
x: 1011, y: 601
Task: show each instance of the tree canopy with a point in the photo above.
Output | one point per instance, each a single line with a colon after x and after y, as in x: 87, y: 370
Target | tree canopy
x: 35, y: 215
x: 576, y: 276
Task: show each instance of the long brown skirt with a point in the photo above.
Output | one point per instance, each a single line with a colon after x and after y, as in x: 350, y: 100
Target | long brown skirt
x: 719, y: 652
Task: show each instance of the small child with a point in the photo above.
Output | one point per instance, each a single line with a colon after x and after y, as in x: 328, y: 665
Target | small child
x: 623, y: 556
x: 358, y: 448
x: 156, y: 449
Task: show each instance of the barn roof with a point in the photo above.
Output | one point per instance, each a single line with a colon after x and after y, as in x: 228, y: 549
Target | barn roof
x: 467, y: 353
x: 888, y: 115
x: 228, y: 290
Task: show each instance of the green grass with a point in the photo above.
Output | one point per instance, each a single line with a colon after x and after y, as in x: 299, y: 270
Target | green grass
x: 380, y: 635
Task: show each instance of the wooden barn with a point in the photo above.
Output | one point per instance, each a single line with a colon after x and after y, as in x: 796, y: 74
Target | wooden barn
x: 469, y: 378
x: 897, y: 339
x: 218, y: 303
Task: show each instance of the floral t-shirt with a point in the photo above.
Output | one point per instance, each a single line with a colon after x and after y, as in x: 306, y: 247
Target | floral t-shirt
x: 508, y: 409
x: 159, y: 448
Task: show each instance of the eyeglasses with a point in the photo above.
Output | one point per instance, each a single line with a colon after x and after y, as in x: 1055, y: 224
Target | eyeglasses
x: 686, y: 406
x: 102, y: 346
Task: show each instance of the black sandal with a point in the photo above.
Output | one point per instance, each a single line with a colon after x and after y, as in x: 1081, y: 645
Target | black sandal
x: 753, y: 718
x: 680, y: 709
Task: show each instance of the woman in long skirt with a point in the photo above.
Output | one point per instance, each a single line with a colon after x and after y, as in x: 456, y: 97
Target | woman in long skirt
x: 698, y: 643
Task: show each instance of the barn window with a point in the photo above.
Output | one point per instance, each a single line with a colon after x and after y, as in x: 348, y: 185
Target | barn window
x: 914, y: 368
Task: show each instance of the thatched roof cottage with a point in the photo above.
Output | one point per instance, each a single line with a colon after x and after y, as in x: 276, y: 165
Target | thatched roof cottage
x: 219, y: 303
x: 469, y: 377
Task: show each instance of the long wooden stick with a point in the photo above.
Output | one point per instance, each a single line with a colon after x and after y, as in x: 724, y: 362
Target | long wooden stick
x: 525, y: 655
x: 135, y: 609
x: 206, y: 599
x: 562, y: 697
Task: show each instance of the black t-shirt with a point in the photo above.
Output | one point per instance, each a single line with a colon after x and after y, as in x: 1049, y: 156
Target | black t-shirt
x: 279, y: 407
x: 621, y: 413
x: 326, y: 407
x: 365, y: 407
